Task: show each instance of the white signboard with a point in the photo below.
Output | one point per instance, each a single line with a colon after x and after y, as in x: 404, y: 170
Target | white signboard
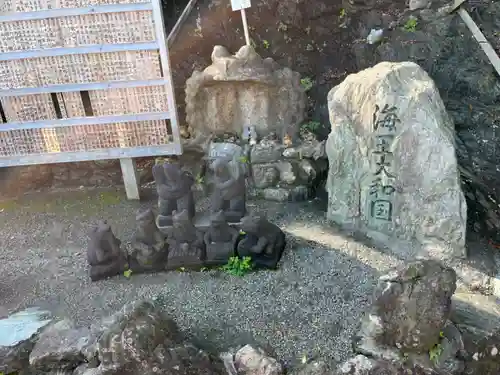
x: 240, y: 4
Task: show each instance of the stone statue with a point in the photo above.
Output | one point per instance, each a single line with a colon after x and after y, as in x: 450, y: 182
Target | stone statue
x: 174, y: 192
x: 263, y: 241
x: 229, y: 192
x: 104, y: 255
x: 185, y: 244
x: 220, y: 240
x: 149, y: 245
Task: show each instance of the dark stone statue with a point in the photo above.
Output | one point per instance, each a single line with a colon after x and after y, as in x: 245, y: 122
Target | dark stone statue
x: 261, y: 240
x: 229, y: 192
x: 174, y: 192
x: 185, y: 244
x: 104, y: 255
x: 220, y: 240
x: 149, y: 244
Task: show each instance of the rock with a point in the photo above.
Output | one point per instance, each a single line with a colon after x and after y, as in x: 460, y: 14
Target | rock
x: 265, y: 175
x: 268, y: 152
x: 293, y: 194
x: 288, y: 172
x: 393, y: 171
x: 313, y: 368
x: 418, y: 4
x: 411, y: 306
x: 140, y: 339
x: 18, y: 335
x: 307, y: 171
x: 361, y: 365
x: 61, y: 346
x: 478, y: 319
x: 244, y: 90
x: 230, y: 151
x: 254, y: 361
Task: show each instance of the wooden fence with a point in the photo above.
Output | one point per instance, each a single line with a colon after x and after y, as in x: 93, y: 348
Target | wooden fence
x: 85, y: 80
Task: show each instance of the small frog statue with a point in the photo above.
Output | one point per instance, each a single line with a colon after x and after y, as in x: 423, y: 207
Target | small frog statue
x: 104, y: 255
x: 262, y: 241
x: 220, y: 240
x: 186, y: 248
x: 149, y: 244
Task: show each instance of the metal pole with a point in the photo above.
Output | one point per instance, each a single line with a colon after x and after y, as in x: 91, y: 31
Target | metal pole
x: 245, y: 26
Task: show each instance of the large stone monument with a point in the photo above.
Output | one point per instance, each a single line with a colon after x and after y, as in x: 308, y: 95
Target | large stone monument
x: 244, y: 91
x: 392, y: 166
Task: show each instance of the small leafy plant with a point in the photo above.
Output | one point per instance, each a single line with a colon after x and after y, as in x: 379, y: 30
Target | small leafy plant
x: 411, y: 24
x: 199, y: 179
x: 266, y: 44
x: 307, y: 83
x: 238, y: 267
x: 342, y: 13
x: 435, y: 353
x: 127, y: 273
x: 311, y: 126
x: 243, y: 159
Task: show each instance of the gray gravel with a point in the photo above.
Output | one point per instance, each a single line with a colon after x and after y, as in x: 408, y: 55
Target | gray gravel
x: 310, y: 306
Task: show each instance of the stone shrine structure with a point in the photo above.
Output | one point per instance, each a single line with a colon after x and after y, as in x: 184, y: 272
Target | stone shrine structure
x: 256, y: 110
x: 241, y: 92
x: 393, y: 171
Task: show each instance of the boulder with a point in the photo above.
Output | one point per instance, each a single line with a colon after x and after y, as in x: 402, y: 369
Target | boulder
x: 317, y: 367
x: 61, y: 346
x: 244, y: 90
x: 250, y: 360
x: 361, y: 365
x: 141, y: 339
x: 393, y: 170
x: 410, y: 309
x: 478, y: 319
x: 18, y: 335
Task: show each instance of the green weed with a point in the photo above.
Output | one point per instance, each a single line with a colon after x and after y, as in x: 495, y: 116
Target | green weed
x: 307, y: 83
x: 266, y: 44
x: 435, y: 353
x: 238, y: 267
x: 411, y: 24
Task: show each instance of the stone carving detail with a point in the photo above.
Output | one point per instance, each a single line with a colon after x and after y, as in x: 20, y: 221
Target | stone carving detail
x: 149, y: 250
x: 241, y: 91
x: 230, y: 190
x: 185, y: 244
x: 174, y: 191
x: 104, y: 254
x: 220, y: 240
x: 263, y: 241
x: 393, y: 171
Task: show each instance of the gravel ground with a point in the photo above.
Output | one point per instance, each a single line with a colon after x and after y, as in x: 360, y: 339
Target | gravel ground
x: 310, y: 306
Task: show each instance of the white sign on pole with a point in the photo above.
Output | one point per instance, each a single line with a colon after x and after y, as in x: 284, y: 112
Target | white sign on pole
x: 240, y: 4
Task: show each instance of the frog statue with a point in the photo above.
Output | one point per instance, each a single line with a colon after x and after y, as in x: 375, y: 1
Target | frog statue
x: 261, y: 240
x: 174, y: 191
x: 229, y: 191
x: 185, y: 243
x: 220, y: 240
x: 149, y: 245
x: 104, y: 254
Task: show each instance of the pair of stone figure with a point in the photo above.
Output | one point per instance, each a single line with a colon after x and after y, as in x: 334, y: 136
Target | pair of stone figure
x: 175, y: 194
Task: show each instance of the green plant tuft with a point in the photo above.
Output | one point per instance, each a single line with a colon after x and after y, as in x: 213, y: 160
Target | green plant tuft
x: 307, y: 83
x: 311, y: 126
x: 435, y: 353
x: 411, y: 24
x: 238, y: 267
x: 266, y: 44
